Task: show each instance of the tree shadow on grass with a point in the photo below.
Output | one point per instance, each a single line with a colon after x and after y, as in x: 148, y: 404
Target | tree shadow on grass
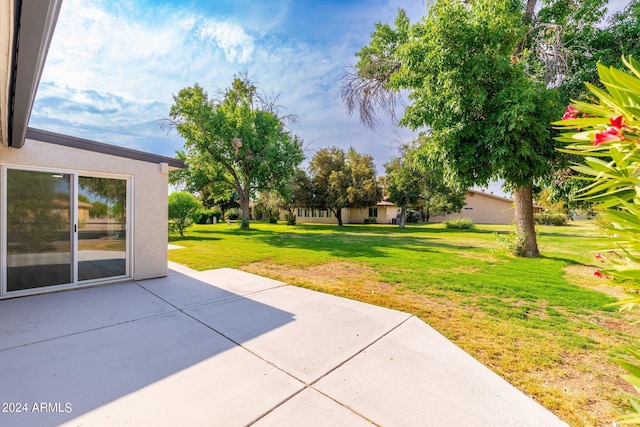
x: 353, y: 245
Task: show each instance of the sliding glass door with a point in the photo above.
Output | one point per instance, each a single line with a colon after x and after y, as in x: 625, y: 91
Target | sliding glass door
x: 39, y: 237
x: 102, y: 228
x: 64, y: 229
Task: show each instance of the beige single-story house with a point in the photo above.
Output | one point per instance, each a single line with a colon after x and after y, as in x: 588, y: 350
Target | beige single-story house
x: 482, y: 207
x: 384, y: 212
x: 47, y: 240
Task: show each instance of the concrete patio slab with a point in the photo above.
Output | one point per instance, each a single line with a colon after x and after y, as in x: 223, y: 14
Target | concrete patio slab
x: 415, y: 376
x: 236, y: 281
x: 310, y: 408
x: 164, y: 370
x: 41, y: 317
x: 327, y: 329
x: 182, y: 291
x: 197, y: 348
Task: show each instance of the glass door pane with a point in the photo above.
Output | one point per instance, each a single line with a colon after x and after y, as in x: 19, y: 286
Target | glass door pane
x: 102, y: 237
x: 39, y: 238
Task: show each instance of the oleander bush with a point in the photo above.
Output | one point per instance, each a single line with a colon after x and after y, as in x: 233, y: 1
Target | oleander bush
x: 606, y: 135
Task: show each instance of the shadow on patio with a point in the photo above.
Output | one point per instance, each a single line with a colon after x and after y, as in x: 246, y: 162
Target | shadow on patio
x: 65, y: 354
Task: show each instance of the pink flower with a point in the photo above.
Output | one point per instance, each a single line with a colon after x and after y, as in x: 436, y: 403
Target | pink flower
x: 600, y: 257
x: 613, y: 133
x: 617, y: 122
x: 571, y: 113
x: 597, y: 273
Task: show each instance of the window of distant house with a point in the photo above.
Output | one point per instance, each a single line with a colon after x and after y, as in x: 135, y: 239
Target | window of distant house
x: 373, y: 212
x: 306, y: 213
x: 321, y: 213
x: 328, y: 213
x: 314, y: 213
x: 468, y: 209
x: 299, y: 212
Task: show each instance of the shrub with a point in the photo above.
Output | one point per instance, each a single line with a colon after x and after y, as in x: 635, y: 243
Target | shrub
x: 207, y: 215
x: 550, y: 218
x: 370, y: 220
x: 514, y: 243
x: 413, y: 216
x: 460, y: 223
x: 183, y: 208
x: 272, y: 220
x: 291, y: 218
x: 606, y: 135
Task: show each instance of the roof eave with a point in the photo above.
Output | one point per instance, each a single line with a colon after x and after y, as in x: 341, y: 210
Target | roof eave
x: 99, y: 147
x: 34, y: 24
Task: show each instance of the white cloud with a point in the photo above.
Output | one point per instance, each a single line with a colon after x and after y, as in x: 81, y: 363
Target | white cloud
x: 231, y: 38
x: 113, y: 66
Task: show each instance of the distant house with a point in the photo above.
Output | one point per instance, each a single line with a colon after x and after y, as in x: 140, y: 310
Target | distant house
x: 47, y: 239
x: 484, y: 207
x: 384, y: 212
x: 480, y: 206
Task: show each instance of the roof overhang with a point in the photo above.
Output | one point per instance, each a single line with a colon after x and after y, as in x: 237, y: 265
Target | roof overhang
x: 99, y: 147
x: 26, y: 29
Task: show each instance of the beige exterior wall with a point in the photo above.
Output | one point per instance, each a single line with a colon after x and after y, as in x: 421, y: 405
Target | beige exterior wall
x: 305, y: 215
x: 483, y: 208
x: 386, y: 214
x: 358, y: 215
x: 148, y: 195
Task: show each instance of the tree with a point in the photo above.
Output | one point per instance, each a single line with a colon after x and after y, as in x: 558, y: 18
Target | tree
x: 183, y: 207
x: 266, y: 206
x: 414, y: 180
x: 339, y: 180
x: 404, y: 181
x: 238, y: 143
x: 487, y: 119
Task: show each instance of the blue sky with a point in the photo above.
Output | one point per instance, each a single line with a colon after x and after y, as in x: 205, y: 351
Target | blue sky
x: 113, y: 65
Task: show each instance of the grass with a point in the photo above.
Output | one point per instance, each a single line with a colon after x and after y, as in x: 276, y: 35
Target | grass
x: 545, y: 325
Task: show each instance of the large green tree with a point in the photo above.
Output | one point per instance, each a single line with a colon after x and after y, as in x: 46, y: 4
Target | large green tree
x: 238, y: 142
x: 486, y: 117
x: 339, y: 180
x: 414, y: 180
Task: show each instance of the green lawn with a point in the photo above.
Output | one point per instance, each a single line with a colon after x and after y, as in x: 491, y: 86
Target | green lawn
x: 545, y: 325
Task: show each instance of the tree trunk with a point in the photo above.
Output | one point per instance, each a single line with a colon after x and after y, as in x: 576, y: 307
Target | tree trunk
x: 244, y: 204
x: 403, y: 215
x: 529, y: 10
x: 338, y: 213
x: 525, y: 225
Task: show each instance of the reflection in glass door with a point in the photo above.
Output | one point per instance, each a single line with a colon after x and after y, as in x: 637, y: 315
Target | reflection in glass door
x: 102, y: 237
x: 39, y: 238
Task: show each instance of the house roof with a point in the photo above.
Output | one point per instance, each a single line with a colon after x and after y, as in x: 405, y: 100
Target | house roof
x: 490, y: 195
x: 99, y: 147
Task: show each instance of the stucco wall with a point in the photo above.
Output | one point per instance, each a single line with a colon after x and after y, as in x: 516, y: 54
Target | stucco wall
x: 149, y: 195
x: 483, y: 209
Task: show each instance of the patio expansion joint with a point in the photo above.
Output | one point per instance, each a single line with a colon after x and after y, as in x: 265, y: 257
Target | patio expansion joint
x: 84, y: 331
x: 329, y: 372
x: 220, y: 300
